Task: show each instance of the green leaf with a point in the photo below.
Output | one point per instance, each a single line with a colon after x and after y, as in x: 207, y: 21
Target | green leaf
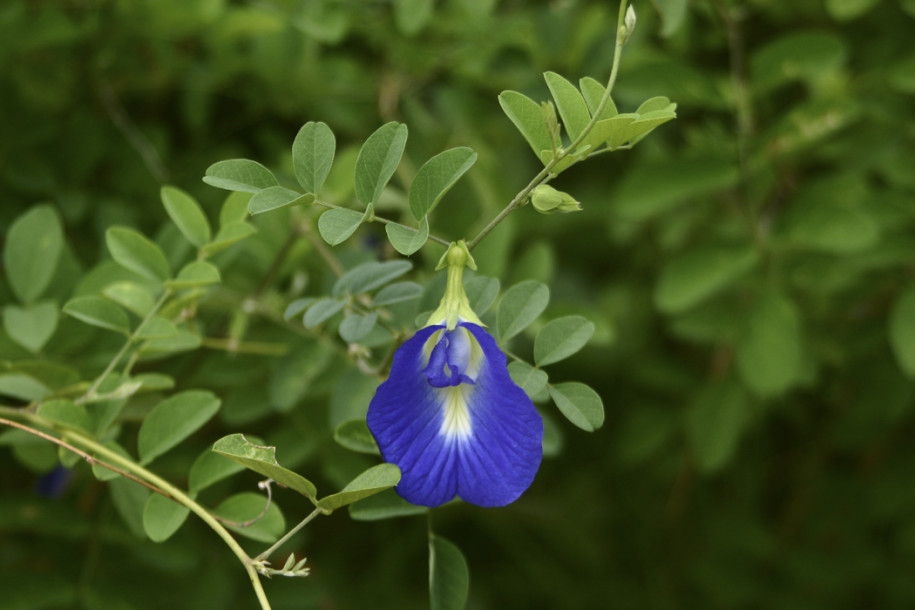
x: 531, y: 380
x: 481, y: 293
x: 228, y: 235
x: 579, y: 403
x: 239, y: 175
x: 129, y: 500
x: 173, y: 420
x: 520, y: 305
x: 131, y: 296
x: 384, y: 505
x: 23, y: 387
x: 195, y: 274
x: 249, y: 507
x: 31, y: 251
x: 262, y: 460
x: 449, y: 578
x: 162, y: 517
x: 397, y: 293
x: 99, y: 312
x: 436, y: 177
x: 354, y: 434
x: 234, y: 208
x: 570, y: 103
x: 769, y: 349
x: 154, y: 381
x: 593, y: 92
x: 374, y: 480
x: 369, y: 276
x: 322, y: 310
x: 134, y: 251
x: 157, y: 327
x: 672, y: 14
x: 187, y: 215
x: 527, y: 115
x: 31, y: 326
x: 209, y: 468
x: 714, y: 422
x: 560, y: 338
x: 846, y: 10
x: 902, y: 331
x: 275, y: 197
x: 696, y: 275
x: 356, y: 326
x: 312, y: 155
x: 336, y: 225
x: 377, y: 161
x: 66, y: 413
x: 406, y: 240
x: 297, y: 307
x: 185, y: 340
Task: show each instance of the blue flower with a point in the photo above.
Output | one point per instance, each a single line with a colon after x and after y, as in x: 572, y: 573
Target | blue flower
x: 449, y: 415
x: 454, y: 422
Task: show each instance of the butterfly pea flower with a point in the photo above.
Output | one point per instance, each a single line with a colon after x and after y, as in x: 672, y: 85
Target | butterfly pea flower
x: 449, y: 415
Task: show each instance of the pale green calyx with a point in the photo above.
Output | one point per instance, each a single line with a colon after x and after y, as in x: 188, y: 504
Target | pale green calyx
x: 548, y: 200
x: 455, y: 307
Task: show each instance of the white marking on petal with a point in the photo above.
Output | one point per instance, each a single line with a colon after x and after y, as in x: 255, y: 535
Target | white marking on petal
x: 456, y: 420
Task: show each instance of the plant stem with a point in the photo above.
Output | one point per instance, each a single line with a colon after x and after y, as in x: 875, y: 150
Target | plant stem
x: 93, y: 389
x: 77, y: 438
x: 263, y: 556
x: 544, y: 175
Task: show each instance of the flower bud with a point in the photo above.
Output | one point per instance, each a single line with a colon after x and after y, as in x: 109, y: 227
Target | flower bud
x: 548, y: 200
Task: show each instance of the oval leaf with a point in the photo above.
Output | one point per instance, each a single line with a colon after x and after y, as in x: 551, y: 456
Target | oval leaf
x: 228, y: 235
x: 378, y: 159
x: 312, y: 155
x: 449, y: 578
x: 520, y: 305
x: 322, y: 310
x: 275, y: 197
x: 354, y: 434
x: 194, y: 274
x: 374, y: 480
x: 369, y: 276
x: 248, y: 508
x: 580, y: 404
x: 769, y: 350
x: 357, y: 326
x: 397, y: 293
x: 406, y: 240
x: 173, y: 420
x: 384, y: 505
x: 527, y: 115
x: 99, y: 312
x: 239, y: 175
x: 336, y: 225
x: 132, y: 296
x: 528, y: 378
x: 187, y: 215
x: 560, y: 338
x: 262, y: 460
x: 31, y: 326
x: 570, y: 103
x: 162, y: 517
x: 33, y: 245
x: 714, y: 423
x: 134, y: 251
x: 436, y: 177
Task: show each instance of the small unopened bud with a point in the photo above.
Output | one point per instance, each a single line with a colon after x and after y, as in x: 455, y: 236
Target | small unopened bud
x: 628, y: 23
x: 548, y: 200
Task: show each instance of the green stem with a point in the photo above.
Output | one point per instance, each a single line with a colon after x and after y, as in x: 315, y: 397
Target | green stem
x: 387, y: 221
x: 263, y: 556
x: 163, y: 486
x: 93, y: 389
x: 544, y: 175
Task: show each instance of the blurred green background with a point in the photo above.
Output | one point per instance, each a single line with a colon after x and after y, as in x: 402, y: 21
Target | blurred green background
x: 749, y: 268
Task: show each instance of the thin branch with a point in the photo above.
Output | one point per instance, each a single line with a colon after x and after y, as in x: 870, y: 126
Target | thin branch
x: 91, y: 460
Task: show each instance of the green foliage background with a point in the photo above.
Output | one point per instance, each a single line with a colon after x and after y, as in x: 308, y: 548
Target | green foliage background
x: 749, y: 269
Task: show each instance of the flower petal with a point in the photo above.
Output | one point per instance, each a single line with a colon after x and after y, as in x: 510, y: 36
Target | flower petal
x: 481, y: 441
